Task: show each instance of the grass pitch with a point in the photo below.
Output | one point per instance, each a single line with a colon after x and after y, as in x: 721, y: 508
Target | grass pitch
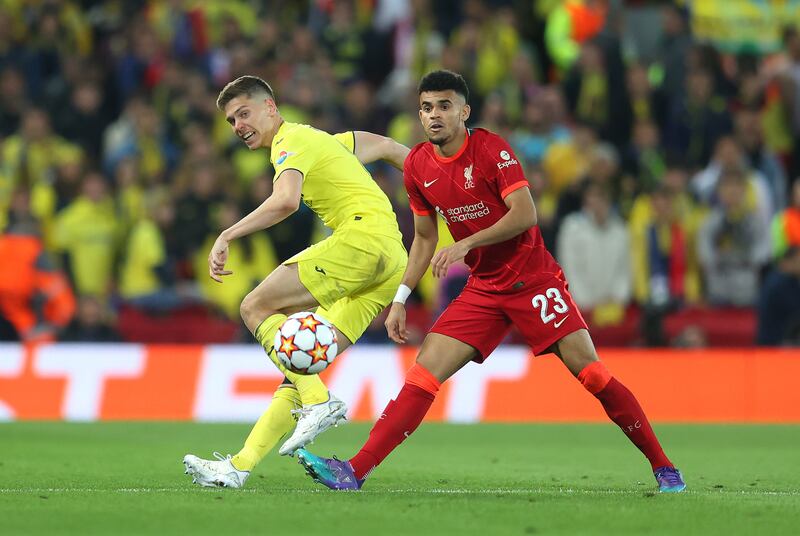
x: 127, y: 478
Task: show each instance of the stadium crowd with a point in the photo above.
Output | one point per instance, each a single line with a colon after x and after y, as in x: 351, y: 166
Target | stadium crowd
x: 664, y: 175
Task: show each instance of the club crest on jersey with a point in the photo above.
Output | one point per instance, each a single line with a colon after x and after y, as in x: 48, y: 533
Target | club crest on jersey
x: 468, y: 175
x: 508, y: 161
x: 282, y: 156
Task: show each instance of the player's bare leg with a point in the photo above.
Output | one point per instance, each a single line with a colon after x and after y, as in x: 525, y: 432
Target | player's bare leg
x: 577, y: 352
x: 443, y: 356
x: 280, y: 293
x: 263, y: 310
x: 439, y: 358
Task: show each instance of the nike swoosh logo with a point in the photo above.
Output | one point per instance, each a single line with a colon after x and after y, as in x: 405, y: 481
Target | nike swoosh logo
x: 426, y: 183
x: 558, y: 324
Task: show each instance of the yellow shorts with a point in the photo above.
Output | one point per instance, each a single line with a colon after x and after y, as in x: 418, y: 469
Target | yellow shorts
x: 353, y: 274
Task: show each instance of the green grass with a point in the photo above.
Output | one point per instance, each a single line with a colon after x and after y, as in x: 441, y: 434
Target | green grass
x: 127, y: 478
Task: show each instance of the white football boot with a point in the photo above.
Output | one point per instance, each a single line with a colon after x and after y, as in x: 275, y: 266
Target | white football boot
x: 314, y: 420
x: 219, y: 473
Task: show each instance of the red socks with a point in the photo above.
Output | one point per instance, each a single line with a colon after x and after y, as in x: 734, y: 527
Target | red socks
x: 398, y: 421
x: 623, y: 408
x: 404, y: 414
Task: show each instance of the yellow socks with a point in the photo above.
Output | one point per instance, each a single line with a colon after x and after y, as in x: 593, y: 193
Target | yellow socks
x: 310, y: 387
x: 273, y: 424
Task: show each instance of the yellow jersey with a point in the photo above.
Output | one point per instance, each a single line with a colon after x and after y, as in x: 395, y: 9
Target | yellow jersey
x: 336, y: 186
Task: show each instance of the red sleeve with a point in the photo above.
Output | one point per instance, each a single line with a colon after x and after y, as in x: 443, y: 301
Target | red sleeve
x: 419, y: 205
x: 504, y: 164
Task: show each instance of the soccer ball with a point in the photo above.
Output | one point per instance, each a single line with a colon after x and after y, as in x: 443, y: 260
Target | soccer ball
x: 306, y: 343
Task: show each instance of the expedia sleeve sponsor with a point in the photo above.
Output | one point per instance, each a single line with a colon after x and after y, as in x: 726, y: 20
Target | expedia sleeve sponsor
x: 507, y: 163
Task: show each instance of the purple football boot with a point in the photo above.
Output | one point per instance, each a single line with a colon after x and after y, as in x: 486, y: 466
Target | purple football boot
x: 669, y: 480
x: 330, y: 472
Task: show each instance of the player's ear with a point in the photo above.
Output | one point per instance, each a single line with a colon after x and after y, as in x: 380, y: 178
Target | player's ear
x: 271, y: 106
x: 465, y: 112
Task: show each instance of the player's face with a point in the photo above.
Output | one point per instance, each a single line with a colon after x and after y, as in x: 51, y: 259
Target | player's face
x: 251, y: 119
x: 443, y: 114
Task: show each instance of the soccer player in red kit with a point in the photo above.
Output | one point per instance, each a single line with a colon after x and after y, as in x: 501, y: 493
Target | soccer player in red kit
x: 472, y: 179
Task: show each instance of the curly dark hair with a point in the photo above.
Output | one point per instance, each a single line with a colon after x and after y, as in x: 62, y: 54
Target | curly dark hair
x: 443, y: 80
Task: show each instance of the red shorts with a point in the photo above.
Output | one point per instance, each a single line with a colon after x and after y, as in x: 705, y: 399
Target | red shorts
x: 543, y: 315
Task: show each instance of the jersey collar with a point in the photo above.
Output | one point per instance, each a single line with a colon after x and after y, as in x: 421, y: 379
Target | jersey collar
x: 458, y: 153
x: 281, y: 131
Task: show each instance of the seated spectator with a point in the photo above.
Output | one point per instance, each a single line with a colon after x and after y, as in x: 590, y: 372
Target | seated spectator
x: 489, y: 37
x: 779, y: 303
x: 35, y: 298
x: 779, y: 300
x: 13, y: 99
x: 130, y: 194
x: 148, y: 272
x: 86, y: 233
x: 603, y: 169
x: 672, y: 49
x: 730, y: 245
x: 84, y: 118
x: 537, y: 132
x: 143, y: 134
x: 646, y: 104
x: 195, y: 209
x: 644, y: 163
x: 493, y: 115
x: 595, y: 91
x: 697, y: 120
x: 92, y: 323
x: 546, y: 205
x: 728, y: 155
x: 31, y: 158
x: 750, y: 135
x: 521, y: 86
x: 566, y: 162
x: 593, y: 250
x: 663, y: 227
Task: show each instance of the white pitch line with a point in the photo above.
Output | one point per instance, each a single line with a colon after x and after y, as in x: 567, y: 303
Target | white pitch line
x: 433, y: 491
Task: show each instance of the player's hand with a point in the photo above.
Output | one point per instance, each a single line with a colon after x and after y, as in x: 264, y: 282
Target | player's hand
x: 445, y: 257
x: 216, y: 260
x: 396, y: 323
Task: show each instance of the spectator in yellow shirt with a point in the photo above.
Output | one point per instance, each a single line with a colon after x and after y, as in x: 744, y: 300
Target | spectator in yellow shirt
x: 85, y: 231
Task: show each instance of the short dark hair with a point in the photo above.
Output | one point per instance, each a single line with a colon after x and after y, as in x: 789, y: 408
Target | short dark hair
x: 443, y: 80
x: 244, y: 85
x: 788, y: 32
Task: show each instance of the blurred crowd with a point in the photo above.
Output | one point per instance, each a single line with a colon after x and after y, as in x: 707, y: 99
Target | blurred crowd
x: 664, y: 175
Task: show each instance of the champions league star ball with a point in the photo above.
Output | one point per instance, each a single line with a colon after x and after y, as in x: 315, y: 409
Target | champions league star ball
x: 306, y: 343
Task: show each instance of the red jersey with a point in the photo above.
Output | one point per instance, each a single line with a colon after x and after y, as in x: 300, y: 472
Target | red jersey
x: 467, y: 190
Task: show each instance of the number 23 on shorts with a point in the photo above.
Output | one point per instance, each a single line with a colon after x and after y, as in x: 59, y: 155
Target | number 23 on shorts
x: 542, y: 302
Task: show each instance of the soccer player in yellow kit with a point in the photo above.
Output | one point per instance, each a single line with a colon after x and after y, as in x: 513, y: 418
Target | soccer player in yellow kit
x: 349, y: 277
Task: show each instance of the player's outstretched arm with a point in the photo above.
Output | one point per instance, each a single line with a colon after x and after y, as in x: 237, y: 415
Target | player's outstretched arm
x: 283, y: 202
x: 426, y: 236
x: 520, y: 217
x: 370, y: 147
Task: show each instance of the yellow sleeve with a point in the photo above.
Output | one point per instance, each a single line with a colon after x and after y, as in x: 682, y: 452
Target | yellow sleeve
x: 348, y: 139
x: 295, y: 152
